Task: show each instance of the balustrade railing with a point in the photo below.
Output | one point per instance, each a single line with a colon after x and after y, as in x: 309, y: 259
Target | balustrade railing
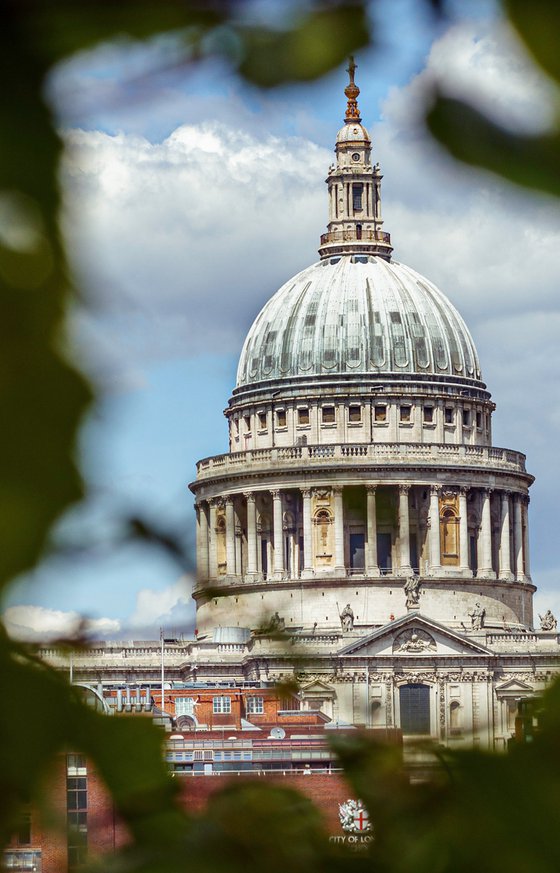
x: 375, y: 453
x: 356, y: 236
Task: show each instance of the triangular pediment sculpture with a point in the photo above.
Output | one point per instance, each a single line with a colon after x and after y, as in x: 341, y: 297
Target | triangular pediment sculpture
x: 414, y: 634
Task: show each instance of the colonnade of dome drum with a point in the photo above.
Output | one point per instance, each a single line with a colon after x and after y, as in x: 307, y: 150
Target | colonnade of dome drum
x: 369, y: 530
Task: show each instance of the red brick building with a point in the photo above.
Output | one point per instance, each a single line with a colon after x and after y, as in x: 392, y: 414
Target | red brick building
x: 211, y: 736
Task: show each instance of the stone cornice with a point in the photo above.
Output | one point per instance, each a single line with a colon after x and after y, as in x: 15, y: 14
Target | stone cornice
x: 230, y: 589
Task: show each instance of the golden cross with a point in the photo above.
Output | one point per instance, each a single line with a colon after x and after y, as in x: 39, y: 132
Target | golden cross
x: 351, y: 69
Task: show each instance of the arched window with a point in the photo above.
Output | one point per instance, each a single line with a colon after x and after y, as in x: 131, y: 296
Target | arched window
x: 221, y: 544
x: 323, y: 522
x: 449, y: 530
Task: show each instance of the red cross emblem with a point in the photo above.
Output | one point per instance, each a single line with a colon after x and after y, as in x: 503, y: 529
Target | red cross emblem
x: 361, y: 819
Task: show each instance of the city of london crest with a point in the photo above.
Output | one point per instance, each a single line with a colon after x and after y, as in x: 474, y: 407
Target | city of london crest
x: 354, y: 818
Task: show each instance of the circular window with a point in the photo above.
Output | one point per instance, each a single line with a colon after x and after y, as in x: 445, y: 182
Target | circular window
x: 356, y: 156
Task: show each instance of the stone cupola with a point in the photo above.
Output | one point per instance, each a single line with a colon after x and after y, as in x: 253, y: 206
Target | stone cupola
x: 354, y: 186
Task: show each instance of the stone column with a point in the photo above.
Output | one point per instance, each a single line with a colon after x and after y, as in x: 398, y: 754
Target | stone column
x: 338, y: 530
x: 213, y: 539
x: 372, y: 566
x: 435, y: 549
x: 485, y: 557
x: 252, y: 560
x: 278, y: 533
x: 525, y: 522
x: 307, y: 534
x: 505, y: 553
x: 404, y: 532
x: 464, y: 533
x: 202, y: 555
x: 518, y: 538
x: 438, y: 415
x: 230, y: 537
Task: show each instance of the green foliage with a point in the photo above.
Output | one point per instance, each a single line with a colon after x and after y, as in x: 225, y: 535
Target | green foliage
x: 480, y: 802
x: 43, y: 396
x: 472, y: 137
x: 319, y: 42
x: 480, y: 811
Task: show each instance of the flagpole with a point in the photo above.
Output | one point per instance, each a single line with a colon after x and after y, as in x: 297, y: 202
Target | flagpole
x: 162, y: 673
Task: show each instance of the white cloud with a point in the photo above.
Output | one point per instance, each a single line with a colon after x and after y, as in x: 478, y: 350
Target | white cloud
x: 170, y: 608
x: 39, y: 623
x: 485, y: 64
x: 183, y: 240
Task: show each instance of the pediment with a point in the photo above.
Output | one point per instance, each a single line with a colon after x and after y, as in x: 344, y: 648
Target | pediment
x: 317, y: 687
x: 414, y: 635
x: 514, y: 686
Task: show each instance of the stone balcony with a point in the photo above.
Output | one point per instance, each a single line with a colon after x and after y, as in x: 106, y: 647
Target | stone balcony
x: 336, y: 236
x: 357, y: 241
x: 391, y: 455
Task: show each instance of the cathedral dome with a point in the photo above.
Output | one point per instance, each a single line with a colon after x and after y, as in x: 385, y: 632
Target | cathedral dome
x: 359, y: 315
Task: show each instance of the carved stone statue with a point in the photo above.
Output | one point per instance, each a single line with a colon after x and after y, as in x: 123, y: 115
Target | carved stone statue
x: 477, y: 616
x: 548, y: 621
x: 412, y: 592
x: 347, y: 618
x: 414, y: 641
x: 277, y: 623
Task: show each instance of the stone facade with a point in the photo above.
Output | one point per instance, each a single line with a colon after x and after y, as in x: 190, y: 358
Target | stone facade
x: 362, y: 522
x: 362, y: 536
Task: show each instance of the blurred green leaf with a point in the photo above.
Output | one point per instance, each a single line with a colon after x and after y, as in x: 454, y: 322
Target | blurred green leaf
x: 127, y: 752
x: 471, y: 137
x: 266, y: 826
x: 538, y: 25
x: 316, y: 44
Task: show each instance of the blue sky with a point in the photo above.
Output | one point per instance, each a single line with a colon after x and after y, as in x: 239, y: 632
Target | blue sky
x: 191, y: 197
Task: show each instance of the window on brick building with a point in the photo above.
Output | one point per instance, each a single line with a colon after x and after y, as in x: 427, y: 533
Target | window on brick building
x: 381, y: 413
x: 76, y: 765
x: 18, y: 860
x: 466, y: 417
x: 355, y: 413
x: 303, y: 416
x: 262, y: 421
x: 184, y: 706
x: 328, y: 414
x: 428, y: 414
x: 406, y: 413
x: 76, y: 811
x: 281, y: 417
x: 479, y: 419
x: 24, y: 829
x: 449, y: 415
x: 221, y: 704
x: 255, y: 705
